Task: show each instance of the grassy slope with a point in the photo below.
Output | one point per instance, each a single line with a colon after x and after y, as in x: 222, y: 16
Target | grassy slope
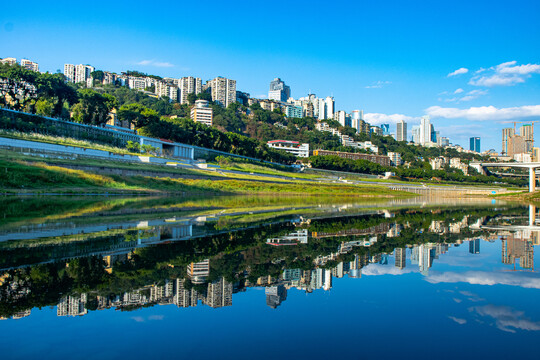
x: 17, y: 175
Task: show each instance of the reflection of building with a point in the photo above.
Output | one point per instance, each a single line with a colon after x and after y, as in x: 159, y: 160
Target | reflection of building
x: 198, y: 272
x: 423, y: 256
x: 474, y: 246
x: 275, y: 295
x: 219, y: 294
x: 72, y: 306
x: 401, y: 257
x: 513, y: 249
x: 295, y: 238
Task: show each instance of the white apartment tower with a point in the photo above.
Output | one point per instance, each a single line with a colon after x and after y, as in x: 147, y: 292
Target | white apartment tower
x: 401, y: 131
x: 425, y: 130
x: 189, y: 85
x: 78, y: 73
x: 201, y: 112
x: 223, y: 90
x: 330, y: 106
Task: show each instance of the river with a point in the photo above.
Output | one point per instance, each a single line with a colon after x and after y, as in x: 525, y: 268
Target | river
x: 267, y: 277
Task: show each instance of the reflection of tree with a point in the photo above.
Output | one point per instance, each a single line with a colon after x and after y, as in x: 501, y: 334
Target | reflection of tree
x: 239, y: 257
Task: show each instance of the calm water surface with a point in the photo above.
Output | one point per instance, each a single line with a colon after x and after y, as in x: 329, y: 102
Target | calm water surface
x: 267, y: 278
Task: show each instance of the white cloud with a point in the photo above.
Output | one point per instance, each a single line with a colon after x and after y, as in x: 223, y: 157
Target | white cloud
x: 483, y: 113
x: 524, y: 280
x: 154, y: 63
x: 377, y: 118
x: 458, y: 91
x: 506, y: 318
x: 505, y: 74
x: 458, y: 72
x: 378, y: 84
x: 474, y: 94
x: 458, y: 320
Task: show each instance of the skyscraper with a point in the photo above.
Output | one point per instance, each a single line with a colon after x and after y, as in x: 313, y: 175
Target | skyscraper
x: 474, y: 144
x: 188, y: 85
x: 223, y: 90
x: 506, y: 134
x: 425, y: 130
x: 401, y: 131
x: 330, y: 106
x: 279, y: 91
x: 527, y: 132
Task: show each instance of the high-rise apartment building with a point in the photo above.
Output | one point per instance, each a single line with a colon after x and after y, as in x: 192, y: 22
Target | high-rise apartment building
x: 188, y: 85
x: 506, y: 134
x: 223, y: 90
x: 279, y: 91
x: 425, y: 131
x: 78, y: 73
x: 401, y: 131
x: 516, y: 145
x: 527, y: 132
x: 474, y: 144
x: 330, y: 107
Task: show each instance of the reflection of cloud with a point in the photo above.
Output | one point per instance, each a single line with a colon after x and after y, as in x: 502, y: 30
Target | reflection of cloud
x: 151, y: 317
x: 507, y: 318
x: 525, y: 280
x: 458, y: 320
x: 457, y: 300
x: 377, y: 269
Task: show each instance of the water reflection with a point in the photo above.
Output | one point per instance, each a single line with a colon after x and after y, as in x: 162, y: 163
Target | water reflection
x: 142, y: 257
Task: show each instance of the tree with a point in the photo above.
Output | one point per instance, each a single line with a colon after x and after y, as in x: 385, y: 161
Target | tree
x: 54, y: 88
x: 137, y: 114
x: 44, y: 107
x: 191, y: 98
x: 17, y: 86
x: 93, y: 108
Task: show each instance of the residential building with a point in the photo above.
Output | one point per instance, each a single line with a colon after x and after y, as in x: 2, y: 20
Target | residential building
x: 30, y: 65
x: 188, y: 85
x: 137, y: 83
x: 9, y: 61
x: 438, y: 163
x: 416, y: 134
x: 474, y: 144
x: 223, y: 90
x: 340, y: 116
x: 401, y: 131
x: 330, y: 107
x: 376, y: 130
x: 395, y: 158
x: 523, y: 157
x: 78, y: 73
x: 506, y: 134
x: 425, y: 131
x: 516, y: 145
x: 527, y: 131
x: 202, y: 113
x: 292, y: 147
x: 443, y: 141
x: 165, y: 89
x: 457, y: 164
x: 279, y: 91
x: 379, y: 159
x: 292, y: 111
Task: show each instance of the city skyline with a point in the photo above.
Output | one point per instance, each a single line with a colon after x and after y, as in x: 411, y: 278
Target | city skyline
x: 459, y: 77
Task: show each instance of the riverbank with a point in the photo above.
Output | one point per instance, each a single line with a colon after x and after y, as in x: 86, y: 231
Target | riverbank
x: 21, y: 174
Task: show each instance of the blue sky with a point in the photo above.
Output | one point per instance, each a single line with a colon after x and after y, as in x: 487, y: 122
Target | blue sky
x: 392, y: 58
